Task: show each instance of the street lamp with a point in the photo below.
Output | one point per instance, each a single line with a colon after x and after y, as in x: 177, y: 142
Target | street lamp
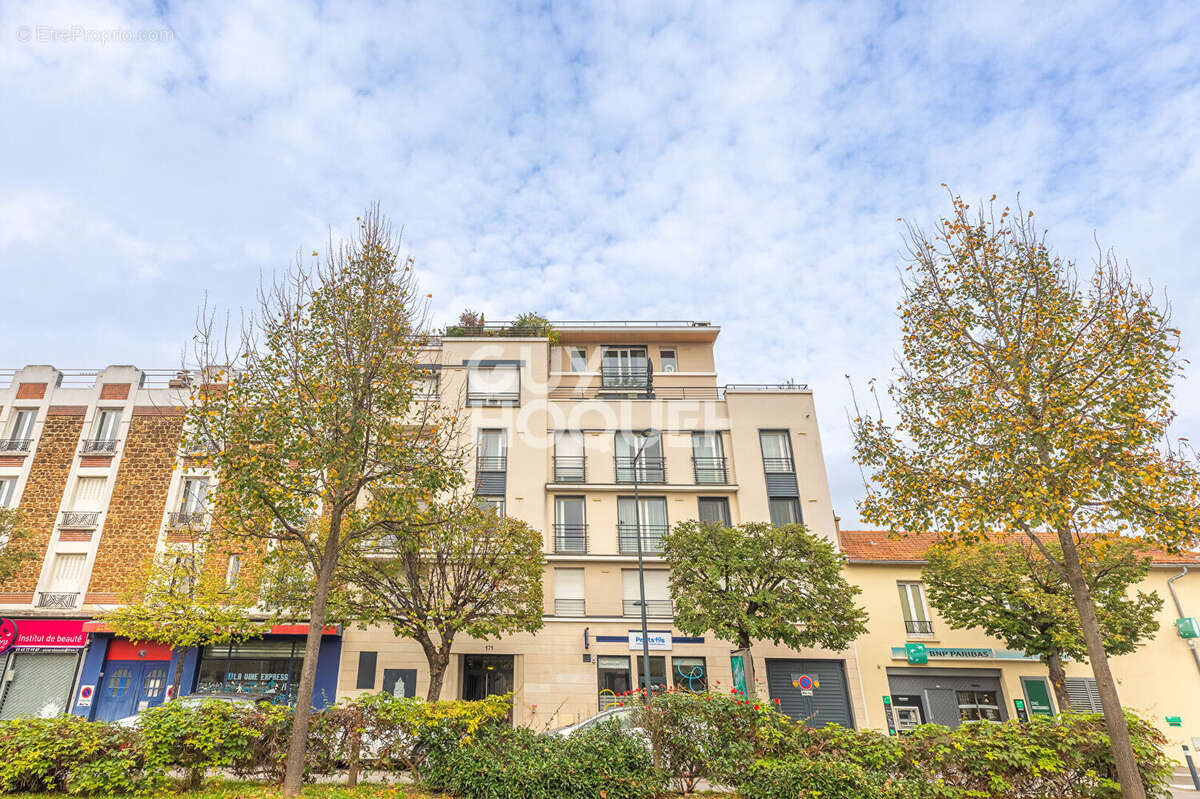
x: 637, y: 525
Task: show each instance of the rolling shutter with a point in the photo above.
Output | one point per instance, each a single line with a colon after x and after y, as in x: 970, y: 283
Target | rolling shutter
x: 1084, y: 695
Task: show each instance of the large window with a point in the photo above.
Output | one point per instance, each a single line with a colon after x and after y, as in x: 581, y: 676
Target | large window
x: 649, y: 518
x: 708, y: 457
x: 912, y: 605
x: 658, y: 593
x: 570, y: 526
x: 689, y: 674
x: 658, y: 673
x: 570, y: 464
x: 776, y: 451
x: 568, y: 592
x: 784, y: 510
x: 715, y: 510
x: 193, y: 496
x: 494, y: 384
x: 625, y: 367
x: 104, y: 429
x: 268, y: 670
x: 640, y: 454
x: 20, y: 430
x: 492, y: 451
x: 8, y: 487
x: 978, y: 706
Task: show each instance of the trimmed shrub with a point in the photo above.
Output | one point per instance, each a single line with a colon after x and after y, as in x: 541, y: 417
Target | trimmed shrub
x: 505, y: 762
x: 66, y: 754
x: 196, y: 738
x: 805, y: 778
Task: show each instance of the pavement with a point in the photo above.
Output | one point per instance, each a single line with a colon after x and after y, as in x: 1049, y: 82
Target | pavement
x: 1181, y: 786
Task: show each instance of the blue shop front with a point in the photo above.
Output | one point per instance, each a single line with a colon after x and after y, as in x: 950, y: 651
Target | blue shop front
x: 120, y: 678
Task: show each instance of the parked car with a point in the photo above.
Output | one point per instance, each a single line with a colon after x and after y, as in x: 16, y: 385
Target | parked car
x: 622, y: 715
x: 197, y: 699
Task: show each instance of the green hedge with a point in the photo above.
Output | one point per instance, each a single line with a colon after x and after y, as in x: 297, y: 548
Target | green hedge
x: 69, y: 755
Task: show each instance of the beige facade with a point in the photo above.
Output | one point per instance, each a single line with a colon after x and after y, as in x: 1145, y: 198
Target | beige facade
x: 563, y: 410
x: 1160, y: 680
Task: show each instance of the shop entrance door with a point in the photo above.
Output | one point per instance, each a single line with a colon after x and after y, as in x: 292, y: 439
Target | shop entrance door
x: 486, y: 675
x: 129, y: 687
x: 37, y: 684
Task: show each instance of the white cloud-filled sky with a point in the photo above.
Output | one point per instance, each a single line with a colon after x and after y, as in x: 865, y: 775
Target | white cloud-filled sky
x: 740, y: 163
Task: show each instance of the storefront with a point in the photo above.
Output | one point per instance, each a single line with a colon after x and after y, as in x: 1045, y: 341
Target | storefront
x: 945, y: 696
x: 39, y: 664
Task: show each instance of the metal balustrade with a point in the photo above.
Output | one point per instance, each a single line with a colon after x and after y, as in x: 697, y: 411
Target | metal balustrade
x: 570, y: 469
x: 655, y: 608
x: 710, y: 470
x: 650, y: 469
x: 919, y: 627
x: 187, y: 519
x: 652, y: 536
x: 779, y: 465
x: 62, y: 600
x: 99, y: 446
x: 15, y: 444
x: 570, y: 539
x: 78, y: 519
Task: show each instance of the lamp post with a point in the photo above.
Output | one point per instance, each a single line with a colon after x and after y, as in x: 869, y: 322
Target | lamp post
x: 637, y: 524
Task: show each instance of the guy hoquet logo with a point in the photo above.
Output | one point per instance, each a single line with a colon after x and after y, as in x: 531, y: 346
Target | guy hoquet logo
x: 8, y: 633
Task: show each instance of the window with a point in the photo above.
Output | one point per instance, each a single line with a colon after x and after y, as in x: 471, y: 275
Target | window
x: 784, y: 510
x: 912, y: 605
x: 978, y: 706
x: 666, y: 360
x: 570, y: 465
x: 1084, y: 695
x: 426, y: 387
x: 66, y: 574
x: 232, y: 570
x: 105, y: 427
x: 689, y: 674
x: 194, y: 496
x: 568, y: 592
x: 89, y: 494
x: 8, y: 487
x: 492, y: 451
x: 708, y: 457
x: 643, y: 452
x: 658, y: 593
x: 651, y: 513
x: 570, y: 527
x: 21, y: 427
x: 494, y: 384
x: 183, y: 574
x: 715, y: 510
x: 494, y: 504
x: 624, y: 367
x: 658, y: 673
x: 366, y: 671
x: 577, y: 356
x: 612, y: 677
x: 776, y: 451
x: 266, y: 669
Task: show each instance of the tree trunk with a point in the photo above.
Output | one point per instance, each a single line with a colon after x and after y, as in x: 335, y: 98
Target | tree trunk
x: 1114, y: 716
x: 177, y: 680
x: 438, y: 659
x: 293, y: 775
x: 1058, y: 679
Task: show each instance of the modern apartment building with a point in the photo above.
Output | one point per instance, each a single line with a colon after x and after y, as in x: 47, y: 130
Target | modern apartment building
x: 565, y: 429
x: 918, y: 670
x: 557, y: 429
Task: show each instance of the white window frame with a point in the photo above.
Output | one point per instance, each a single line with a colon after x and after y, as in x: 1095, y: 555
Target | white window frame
x: 673, y: 361
x: 8, y: 490
x: 102, y: 428
x: 913, y: 609
x: 15, y: 425
x: 579, y: 365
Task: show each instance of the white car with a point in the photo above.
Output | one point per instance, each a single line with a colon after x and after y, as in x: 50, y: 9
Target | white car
x: 622, y: 715
x: 199, y: 699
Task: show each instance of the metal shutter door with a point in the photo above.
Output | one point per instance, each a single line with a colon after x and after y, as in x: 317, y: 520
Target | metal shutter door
x: 829, y: 704
x: 1084, y: 695
x: 41, y: 685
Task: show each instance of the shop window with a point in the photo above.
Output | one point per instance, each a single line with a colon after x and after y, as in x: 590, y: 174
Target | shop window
x: 262, y: 670
x: 978, y: 706
x: 612, y: 674
x: 658, y: 673
x: 689, y: 674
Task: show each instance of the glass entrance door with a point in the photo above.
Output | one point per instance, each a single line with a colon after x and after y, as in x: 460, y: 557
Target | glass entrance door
x: 486, y: 675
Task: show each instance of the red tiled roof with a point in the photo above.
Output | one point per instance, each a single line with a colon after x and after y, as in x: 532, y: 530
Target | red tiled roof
x: 877, y: 545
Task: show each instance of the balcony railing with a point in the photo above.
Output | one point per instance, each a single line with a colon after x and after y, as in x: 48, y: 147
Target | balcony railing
x: 570, y: 469
x: 655, y: 608
x: 187, y: 519
x: 919, y: 627
x: 625, y: 378
x: 15, y: 444
x: 568, y: 607
x: 99, y: 446
x: 659, y: 392
x: 80, y: 519
x: 779, y: 465
x: 570, y: 539
x: 497, y: 398
x: 710, y: 470
x: 62, y: 600
x: 649, y: 469
x: 652, y: 536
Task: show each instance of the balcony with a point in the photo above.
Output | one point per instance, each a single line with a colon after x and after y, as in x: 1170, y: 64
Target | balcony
x: 99, y: 446
x: 187, y: 519
x: 625, y: 378
x: 493, y: 399
x: 61, y: 600
x: 491, y: 475
x: 779, y: 466
x: 655, y: 608
x: 649, y: 469
x: 652, y: 536
x: 79, y: 519
x: 673, y: 392
x: 15, y: 444
x: 710, y: 470
x: 919, y: 627
x: 568, y: 607
x: 570, y: 539
x: 570, y: 469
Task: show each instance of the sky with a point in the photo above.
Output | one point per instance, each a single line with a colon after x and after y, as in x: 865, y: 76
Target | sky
x: 744, y: 164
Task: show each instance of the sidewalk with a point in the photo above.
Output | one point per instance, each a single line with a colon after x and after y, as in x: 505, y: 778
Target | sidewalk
x: 1181, y: 786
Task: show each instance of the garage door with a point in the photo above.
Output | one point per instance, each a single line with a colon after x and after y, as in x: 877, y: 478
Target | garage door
x: 829, y: 702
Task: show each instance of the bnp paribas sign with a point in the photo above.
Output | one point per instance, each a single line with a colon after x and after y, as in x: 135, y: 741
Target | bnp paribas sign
x: 918, y: 654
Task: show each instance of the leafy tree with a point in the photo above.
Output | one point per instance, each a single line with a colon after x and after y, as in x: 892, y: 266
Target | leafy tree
x: 16, y: 546
x: 454, y: 568
x: 759, y: 582
x: 315, y: 420
x: 1030, y: 399
x: 178, y: 602
x: 1009, y: 590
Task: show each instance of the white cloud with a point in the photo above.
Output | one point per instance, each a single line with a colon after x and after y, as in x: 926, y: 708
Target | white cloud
x: 744, y: 166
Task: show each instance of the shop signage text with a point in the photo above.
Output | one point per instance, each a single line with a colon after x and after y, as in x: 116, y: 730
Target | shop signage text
x: 30, y: 633
x: 954, y: 653
x: 660, y: 642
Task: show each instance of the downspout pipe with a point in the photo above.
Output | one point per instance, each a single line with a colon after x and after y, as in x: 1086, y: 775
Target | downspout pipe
x: 1179, y: 611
